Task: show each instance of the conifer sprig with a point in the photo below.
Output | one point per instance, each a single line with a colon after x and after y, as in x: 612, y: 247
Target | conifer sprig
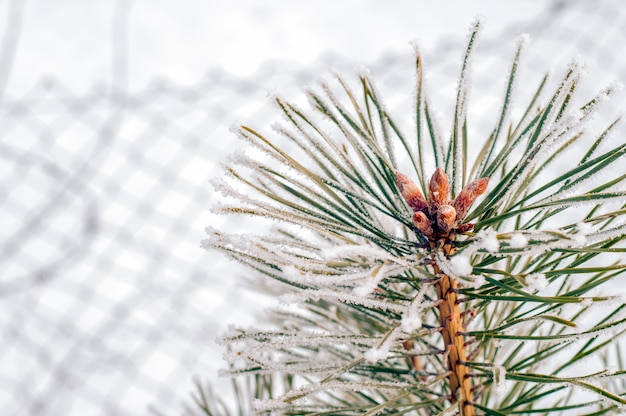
x: 478, y: 288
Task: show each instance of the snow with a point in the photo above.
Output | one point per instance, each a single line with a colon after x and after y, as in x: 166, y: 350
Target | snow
x: 536, y: 282
x: 369, y: 286
x: 376, y: 354
x: 460, y: 265
x: 489, y: 240
x: 476, y: 281
x: 499, y: 379
x: 582, y: 230
x: 332, y: 295
x: 518, y: 240
x: 411, y: 322
x: 381, y: 351
x: 351, y: 250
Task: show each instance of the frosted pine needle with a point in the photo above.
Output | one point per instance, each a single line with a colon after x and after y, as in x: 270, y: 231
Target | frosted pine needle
x: 406, y: 286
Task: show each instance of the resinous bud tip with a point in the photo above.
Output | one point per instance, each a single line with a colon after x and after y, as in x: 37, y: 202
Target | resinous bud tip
x: 410, y: 192
x: 468, y: 195
x: 438, y: 189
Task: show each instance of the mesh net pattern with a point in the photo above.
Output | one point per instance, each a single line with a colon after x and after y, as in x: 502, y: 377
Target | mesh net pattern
x: 110, y: 306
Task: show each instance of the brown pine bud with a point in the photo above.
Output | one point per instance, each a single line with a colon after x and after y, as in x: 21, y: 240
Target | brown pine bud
x: 438, y: 190
x: 422, y: 223
x: 468, y: 195
x: 410, y: 192
x: 446, y: 218
x: 462, y: 228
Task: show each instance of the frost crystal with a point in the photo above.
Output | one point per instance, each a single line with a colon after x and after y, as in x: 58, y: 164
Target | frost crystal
x: 499, y: 379
x: 411, y: 319
x: 411, y: 322
x: 536, y: 282
x: 376, y: 354
x: 450, y: 411
x: 371, y: 283
x: 381, y: 351
x: 489, y: 239
x: 518, y: 241
x: 580, y: 238
x: 350, y: 251
x: 477, y: 281
x: 584, y: 228
x: 460, y: 265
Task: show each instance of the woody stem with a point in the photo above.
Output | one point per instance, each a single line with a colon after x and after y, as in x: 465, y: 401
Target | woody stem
x: 453, y: 339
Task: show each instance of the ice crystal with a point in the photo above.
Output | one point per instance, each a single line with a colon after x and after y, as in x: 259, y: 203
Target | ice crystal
x: 381, y: 351
x: 460, y: 265
x: 410, y: 322
x: 499, y: 379
x: 489, y: 240
x: 518, y: 240
x: 536, y: 282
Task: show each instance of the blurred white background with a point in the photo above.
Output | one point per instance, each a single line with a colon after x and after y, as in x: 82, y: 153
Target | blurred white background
x: 115, y: 115
x: 81, y: 42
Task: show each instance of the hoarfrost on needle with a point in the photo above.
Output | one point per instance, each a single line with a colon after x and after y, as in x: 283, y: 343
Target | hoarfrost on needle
x: 536, y: 282
x: 460, y: 265
x: 518, y: 240
x: 411, y: 321
x: 489, y: 240
x: 499, y: 379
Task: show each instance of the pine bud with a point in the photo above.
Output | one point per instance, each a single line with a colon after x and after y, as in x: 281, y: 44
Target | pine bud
x: 468, y: 195
x: 463, y: 228
x: 446, y: 218
x: 438, y: 190
x: 410, y: 192
x: 422, y: 223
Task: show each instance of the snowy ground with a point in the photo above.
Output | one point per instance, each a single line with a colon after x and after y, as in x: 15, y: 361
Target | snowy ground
x: 115, y: 114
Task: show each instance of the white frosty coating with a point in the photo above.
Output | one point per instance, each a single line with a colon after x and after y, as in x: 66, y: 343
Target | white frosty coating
x: 381, y: 351
x: 584, y: 227
x: 315, y: 295
x: 547, y: 240
x: 580, y: 237
x: 524, y: 40
x: 276, y: 340
x: 536, y: 282
x: 489, y: 240
x: 463, y: 88
x: 518, y: 240
x: 411, y: 319
x: 499, y: 379
x: 288, y: 398
x: 460, y: 265
x: 351, y: 250
x: 616, y: 231
x: 411, y: 322
x: 451, y: 411
x: 330, y: 278
x: 376, y: 354
x: 476, y: 282
x: 558, y: 132
x: 587, y: 302
x: 371, y: 283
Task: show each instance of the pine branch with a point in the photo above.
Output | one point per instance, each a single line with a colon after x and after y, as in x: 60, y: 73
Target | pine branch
x: 475, y: 289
